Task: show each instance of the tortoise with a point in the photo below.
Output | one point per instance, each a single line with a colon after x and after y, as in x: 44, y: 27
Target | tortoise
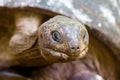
x: 104, y: 35
x: 59, y: 39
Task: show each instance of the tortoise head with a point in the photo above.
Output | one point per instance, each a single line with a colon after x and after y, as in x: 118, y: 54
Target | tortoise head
x: 62, y: 39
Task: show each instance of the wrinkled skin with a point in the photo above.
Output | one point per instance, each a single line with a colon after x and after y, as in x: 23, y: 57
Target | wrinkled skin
x: 76, y: 70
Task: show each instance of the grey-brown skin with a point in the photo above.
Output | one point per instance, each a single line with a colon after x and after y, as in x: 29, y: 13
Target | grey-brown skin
x: 76, y: 70
x: 60, y: 39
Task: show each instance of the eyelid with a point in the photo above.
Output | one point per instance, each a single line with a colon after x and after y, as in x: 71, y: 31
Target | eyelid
x: 56, y: 36
x: 84, y: 37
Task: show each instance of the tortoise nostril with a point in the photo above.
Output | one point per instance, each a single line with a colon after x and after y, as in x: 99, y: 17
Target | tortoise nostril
x: 75, y: 48
x: 72, y: 48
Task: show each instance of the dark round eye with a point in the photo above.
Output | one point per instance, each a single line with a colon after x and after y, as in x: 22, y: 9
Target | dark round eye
x: 56, y: 36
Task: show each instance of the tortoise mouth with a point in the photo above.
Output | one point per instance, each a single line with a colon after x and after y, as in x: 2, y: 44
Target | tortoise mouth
x: 50, y: 54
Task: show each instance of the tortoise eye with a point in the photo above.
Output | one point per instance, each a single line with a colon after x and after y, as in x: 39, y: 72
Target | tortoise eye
x: 84, y: 38
x: 56, y: 36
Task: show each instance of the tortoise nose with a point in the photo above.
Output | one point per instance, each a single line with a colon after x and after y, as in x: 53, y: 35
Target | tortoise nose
x: 75, y: 48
